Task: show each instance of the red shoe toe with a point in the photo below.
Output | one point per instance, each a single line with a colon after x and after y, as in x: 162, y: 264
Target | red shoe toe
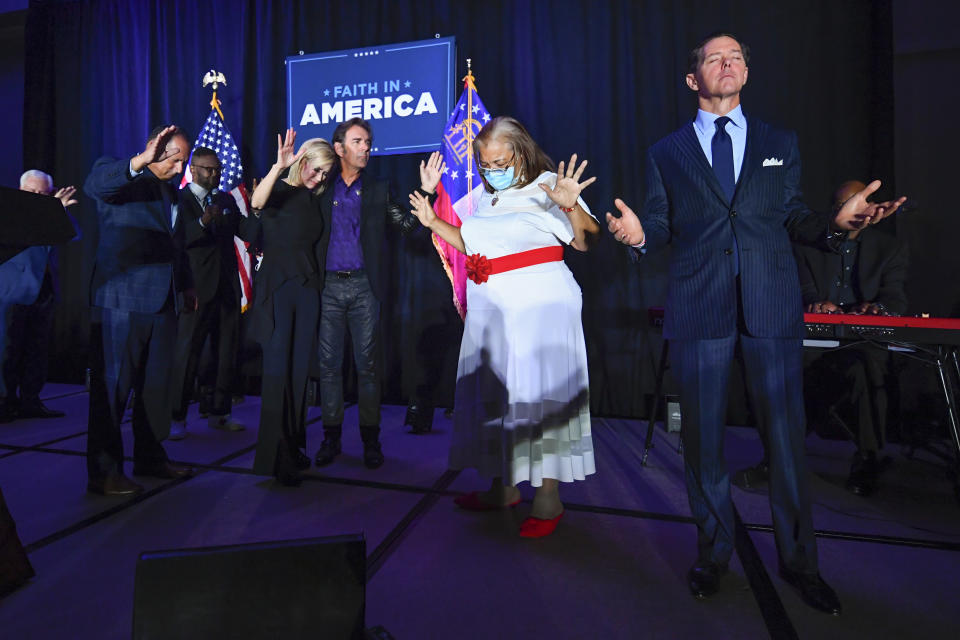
x: 538, y: 527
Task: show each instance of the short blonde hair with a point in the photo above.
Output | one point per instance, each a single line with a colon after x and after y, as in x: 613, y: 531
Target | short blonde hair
x: 312, y: 149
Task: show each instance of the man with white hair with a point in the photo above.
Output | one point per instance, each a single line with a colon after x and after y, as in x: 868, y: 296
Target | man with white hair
x: 27, y: 300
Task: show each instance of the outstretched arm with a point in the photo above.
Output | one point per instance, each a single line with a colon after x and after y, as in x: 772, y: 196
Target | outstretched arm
x: 857, y: 212
x: 285, y: 159
x: 565, y: 193
x: 428, y: 218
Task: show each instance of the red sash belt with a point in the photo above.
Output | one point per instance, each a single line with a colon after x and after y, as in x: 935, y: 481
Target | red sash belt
x: 479, y: 268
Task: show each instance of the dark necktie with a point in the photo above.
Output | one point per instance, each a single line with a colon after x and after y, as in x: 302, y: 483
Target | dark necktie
x: 722, y: 151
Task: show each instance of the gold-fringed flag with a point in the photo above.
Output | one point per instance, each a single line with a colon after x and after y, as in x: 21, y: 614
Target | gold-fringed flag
x: 216, y: 136
x: 460, y: 184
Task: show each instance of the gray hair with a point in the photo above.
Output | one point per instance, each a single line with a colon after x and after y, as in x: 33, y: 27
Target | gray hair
x: 35, y: 173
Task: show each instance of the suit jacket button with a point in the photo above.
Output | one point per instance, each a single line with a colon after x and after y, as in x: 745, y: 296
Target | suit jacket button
x: 728, y: 251
x: 733, y: 214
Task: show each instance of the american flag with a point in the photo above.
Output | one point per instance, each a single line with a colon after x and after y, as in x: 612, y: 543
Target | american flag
x: 216, y: 136
x: 460, y: 184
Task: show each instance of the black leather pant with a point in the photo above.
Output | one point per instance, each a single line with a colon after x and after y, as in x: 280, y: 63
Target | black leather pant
x: 349, y: 302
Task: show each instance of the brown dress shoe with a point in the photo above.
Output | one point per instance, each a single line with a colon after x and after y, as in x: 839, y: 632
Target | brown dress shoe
x: 167, y: 470
x: 113, y: 484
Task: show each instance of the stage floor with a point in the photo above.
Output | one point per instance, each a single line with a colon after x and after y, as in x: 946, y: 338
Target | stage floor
x: 615, y: 567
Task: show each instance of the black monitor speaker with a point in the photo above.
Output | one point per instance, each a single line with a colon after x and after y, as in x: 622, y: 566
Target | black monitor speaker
x: 312, y: 588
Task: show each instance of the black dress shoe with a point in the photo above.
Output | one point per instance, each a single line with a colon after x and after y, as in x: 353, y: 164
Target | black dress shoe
x: 704, y: 578
x: 301, y: 460
x: 752, y: 477
x: 113, y: 484
x: 167, y: 470
x: 7, y: 413
x: 37, y: 409
x: 813, y: 590
x: 329, y: 449
x: 864, y: 474
x: 286, y: 469
x: 372, y: 455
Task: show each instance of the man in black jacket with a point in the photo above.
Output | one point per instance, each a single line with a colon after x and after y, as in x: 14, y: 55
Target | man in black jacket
x: 356, y: 209
x: 210, y: 222
x: 866, y: 276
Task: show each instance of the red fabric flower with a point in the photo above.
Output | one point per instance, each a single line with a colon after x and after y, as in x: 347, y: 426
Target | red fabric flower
x: 478, y: 268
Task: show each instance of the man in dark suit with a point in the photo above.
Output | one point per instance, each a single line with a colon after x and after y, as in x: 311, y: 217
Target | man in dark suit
x: 210, y: 220
x: 724, y: 191
x: 139, y: 273
x: 356, y: 209
x: 28, y: 322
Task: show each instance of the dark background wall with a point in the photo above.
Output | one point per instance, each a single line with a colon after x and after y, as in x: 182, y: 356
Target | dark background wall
x: 863, y: 84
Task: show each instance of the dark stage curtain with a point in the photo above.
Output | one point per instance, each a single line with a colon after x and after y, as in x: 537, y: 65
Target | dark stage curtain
x: 600, y: 78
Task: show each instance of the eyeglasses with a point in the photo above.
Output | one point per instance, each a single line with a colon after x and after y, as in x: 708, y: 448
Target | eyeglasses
x: 497, y: 172
x: 207, y: 169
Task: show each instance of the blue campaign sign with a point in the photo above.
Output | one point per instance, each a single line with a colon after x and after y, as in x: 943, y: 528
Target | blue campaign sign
x: 405, y: 91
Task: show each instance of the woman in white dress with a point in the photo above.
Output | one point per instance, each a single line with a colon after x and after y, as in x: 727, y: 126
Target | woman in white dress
x: 521, y: 403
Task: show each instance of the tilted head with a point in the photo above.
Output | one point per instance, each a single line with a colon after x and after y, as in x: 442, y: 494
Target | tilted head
x: 504, y: 144
x: 36, y: 181
x: 314, y: 165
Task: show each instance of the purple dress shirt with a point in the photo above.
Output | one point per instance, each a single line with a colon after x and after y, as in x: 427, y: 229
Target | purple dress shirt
x: 344, y: 252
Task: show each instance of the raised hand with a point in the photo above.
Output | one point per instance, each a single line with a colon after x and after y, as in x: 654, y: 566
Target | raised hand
x: 422, y: 209
x: 431, y: 172
x: 156, y: 150
x: 65, y: 196
x: 857, y: 212
x: 286, y: 154
x: 627, y: 228
x: 568, y: 186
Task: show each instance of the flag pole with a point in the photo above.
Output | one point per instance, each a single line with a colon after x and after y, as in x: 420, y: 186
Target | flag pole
x: 468, y: 83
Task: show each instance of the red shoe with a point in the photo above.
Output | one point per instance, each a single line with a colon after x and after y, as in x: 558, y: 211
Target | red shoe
x: 538, y: 527
x: 472, y: 502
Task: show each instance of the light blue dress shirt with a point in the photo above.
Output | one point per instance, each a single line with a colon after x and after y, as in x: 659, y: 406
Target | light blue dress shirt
x: 736, y: 129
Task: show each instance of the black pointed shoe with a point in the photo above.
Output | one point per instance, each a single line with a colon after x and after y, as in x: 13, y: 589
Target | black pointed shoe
x: 704, y: 578
x: 813, y: 590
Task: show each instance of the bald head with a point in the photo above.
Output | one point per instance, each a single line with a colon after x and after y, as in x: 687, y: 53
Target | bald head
x: 846, y: 191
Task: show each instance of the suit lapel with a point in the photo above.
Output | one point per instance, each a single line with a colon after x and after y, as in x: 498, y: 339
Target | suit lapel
x: 689, y: 145
x: 756, y: 136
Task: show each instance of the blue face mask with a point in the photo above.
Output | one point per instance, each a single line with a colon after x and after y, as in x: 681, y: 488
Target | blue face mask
x: 499, y: 181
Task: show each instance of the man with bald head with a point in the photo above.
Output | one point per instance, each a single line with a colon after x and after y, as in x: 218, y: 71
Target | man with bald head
x: 724, y: 192
x: 141, y: 279
x: 866, y: 274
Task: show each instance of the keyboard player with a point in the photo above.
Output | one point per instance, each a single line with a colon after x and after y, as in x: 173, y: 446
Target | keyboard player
x: 866, y: 275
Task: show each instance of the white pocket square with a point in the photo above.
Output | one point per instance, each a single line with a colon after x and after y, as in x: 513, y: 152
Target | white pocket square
x: 772, y: 162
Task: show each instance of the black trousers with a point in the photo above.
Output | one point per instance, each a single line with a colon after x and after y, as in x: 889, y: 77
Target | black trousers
x: 851, y: 381
x: 218, y: 319
x: 349, y: 302
x: 28, y: 339
x: 129, y: 351
x: 287, y: 354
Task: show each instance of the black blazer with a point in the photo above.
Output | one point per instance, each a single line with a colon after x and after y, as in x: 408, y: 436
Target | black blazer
x: 881, y: 270
x: 212, y: 253
x: 140, y: 257
x: 378, y: 208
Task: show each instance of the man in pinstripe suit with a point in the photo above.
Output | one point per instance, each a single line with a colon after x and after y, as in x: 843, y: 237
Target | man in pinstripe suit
x: 724, y: 190
x: 139, y: 276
